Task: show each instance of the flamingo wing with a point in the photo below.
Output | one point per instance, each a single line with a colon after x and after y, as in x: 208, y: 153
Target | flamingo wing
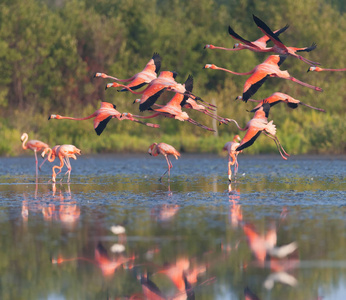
x: 151, y: 290
x: 265, y: 39
x: 239, y: 38
x: 148, y: 100
x: 136, y: 84
x: 100, y: 122
x: 253, y: 83
x: 268, y: 32
x: 306, y: 49
x: 250, y: 137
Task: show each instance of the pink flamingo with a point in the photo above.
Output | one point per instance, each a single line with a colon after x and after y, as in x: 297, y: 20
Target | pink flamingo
x: 318, y: 69
x: 231, y: 147
x: 102, y: 116
x: 50, y: 157
x: 259, y: 74
x: 259, y: 123
x: 162, y: 148
x: 138, y: 80
x: 34, y: 145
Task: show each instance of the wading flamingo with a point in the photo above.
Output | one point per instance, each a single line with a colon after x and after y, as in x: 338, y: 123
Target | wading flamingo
x: 140, y: 79
x: 279, y: 47
x: 259, y: 123
x: 173, y: 108
x: 34, y: 145
x: 165, y: 81
x: 162, y: 148
x: 278, y: 97
x: 231, y: 147
x: 102, y: 116
x: 259, y: 74
x: 318, y: 69
x: 50, y: 157
x: 64, y: 153
x: 256, y: 46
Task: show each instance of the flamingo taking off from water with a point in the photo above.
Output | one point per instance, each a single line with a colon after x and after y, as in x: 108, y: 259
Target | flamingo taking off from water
x: 256, y: 46
x: 278, y: 97
x: 34, y: 145
x: 102, y: 116
x: 259, y: 123
x: 318, y: 69
x: 162, y: 148
x: 259, y: 74
x: 138, y: 80
x: 279, y: 47
x: 64, y: 153
x: 231, y: 147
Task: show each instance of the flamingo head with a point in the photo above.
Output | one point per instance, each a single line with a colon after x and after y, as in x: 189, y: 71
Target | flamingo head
x: 236, y: 137
x: 151, y: 148
x: 236, y: 46
x: 99, y: 75
x: 209, y: 66
x: 239, y: 98
x: 45, y: 151
x: 209, y: 46
x: 313, y: 68
x: 137, y: 101
x: 24, y: 135
x: 113, y: 84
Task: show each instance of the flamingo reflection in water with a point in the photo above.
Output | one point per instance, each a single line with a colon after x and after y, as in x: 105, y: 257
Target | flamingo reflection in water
x: 101, y: 259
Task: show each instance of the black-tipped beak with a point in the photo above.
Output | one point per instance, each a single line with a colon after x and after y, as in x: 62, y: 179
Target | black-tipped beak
x: 94, y: 75
x: 204, y: 47
x: 308, y: 70
x: 233, y: 46
x: 106, y: 87
x: 236, y: 98
x: 134, y: 102
x: 49, y: 118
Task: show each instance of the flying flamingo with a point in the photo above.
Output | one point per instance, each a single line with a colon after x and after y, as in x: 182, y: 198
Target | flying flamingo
x: 102, y: 116
x: 34, y: 145
x: 50, y: 157
x: 259, y: 123
x: 165, y: 81
x: 231, y: 147
x: 64, y: 153
x: 278, y: 97
x: 255, y: 46
x: 173, y: 108
x: 140, y: 79
x: 162, y: 148
x: 318, y: 69
x: 259, y: 74
x: 279, y: 47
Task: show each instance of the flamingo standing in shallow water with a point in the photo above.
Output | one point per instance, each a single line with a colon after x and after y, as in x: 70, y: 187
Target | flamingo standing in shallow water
x: 34, y: 145
x: 64, y: 153
x: 162, y: 148
x: 278, y: 97
x: 231, y: 147
x: 279, y: 47
x: 103, y: 115
x: 259, y: 74
x: 138, y: 80
x: 259, y: 123
x: 318, y: 69
x: 256, y: 46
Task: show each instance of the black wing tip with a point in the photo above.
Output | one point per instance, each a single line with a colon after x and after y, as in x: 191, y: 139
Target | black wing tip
x: 189, y: 83
x: 175, y: 74
x: 282, y: 59
x: 157, y: 61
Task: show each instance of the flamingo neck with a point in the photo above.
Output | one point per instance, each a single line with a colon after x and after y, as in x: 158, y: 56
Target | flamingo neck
x: 24, y: 146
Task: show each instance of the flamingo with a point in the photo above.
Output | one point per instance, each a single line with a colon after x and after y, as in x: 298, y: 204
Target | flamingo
x: 34, y: 145
x: 102, y: 116
x: 259, y: 74
x: 140, y: 79
x: 162, y: 148
x: 279, y: 47
x: 256, y: 46
x: 278, y: 97
x: 318, y: 69
x: 232, y: 155
x: 50, y: 157
x: 173, y: 108
x: 64, y: 153
x: 165, y: 81
x: 259, y: 123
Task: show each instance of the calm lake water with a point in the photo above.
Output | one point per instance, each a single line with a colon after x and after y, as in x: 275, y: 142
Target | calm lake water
x: 115, y: 232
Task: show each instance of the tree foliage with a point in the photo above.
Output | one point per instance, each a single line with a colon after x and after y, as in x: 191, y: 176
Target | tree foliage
x: 50, y: 50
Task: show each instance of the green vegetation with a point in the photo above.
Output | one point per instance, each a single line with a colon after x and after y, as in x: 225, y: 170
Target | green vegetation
x: 49, y: 51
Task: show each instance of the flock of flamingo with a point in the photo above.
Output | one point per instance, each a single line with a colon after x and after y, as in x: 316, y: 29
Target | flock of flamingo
x: 157, y: 83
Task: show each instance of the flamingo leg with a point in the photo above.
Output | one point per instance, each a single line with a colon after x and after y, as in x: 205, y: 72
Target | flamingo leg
x: 69, y: 168
x: 42, y: 163
x: 168, y: 170
x: 278, y: 145
x: 229, y: 169
x: 316, y: 88
x: 36, y: 163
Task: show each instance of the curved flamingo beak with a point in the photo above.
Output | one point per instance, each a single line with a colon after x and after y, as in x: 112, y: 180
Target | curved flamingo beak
x: 239, y: 98
x: 136, y: 101
x: 97, y: 75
